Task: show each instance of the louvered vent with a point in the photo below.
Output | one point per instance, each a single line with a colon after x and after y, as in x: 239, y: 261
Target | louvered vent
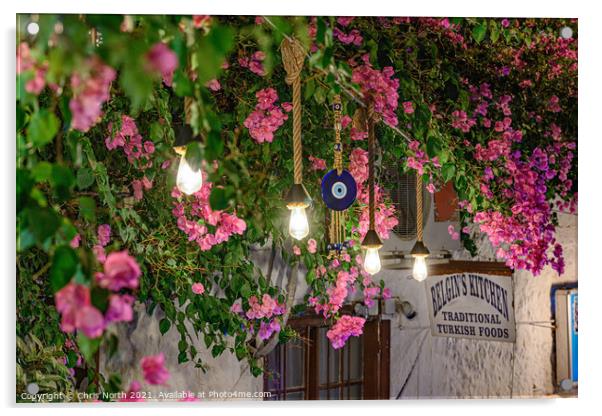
x: 402, y: 190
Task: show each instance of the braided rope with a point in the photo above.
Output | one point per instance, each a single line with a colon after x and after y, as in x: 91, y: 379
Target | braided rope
x: 188, y: 109
x: 419, y: 211
x: 371, y: 162
x: 338, y: 147
x: 293, y: 55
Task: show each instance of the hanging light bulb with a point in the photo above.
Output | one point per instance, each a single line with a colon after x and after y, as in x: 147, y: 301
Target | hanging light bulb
x: 372, y: 261
x: 297, y: 200
x: 420, y: 253
x: 188, y: 180
x: 371, y: 244
x: 419, y: 272
x: 298, y: 227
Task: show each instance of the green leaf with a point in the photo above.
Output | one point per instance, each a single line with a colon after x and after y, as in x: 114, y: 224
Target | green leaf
x: 211, y: 52
x: 87, y: 208
x: 62, y: 181
x: 479, y: 32
x: 42, y: 128
x: 214, y: 147
x: 43, y: 222
x: 42, y: 172
x: 217, y: 350
x: 164, y: 325
x: 84, y: 178
x: 218, y: 199
x: 448, y: 171
x: 64, y: 265
x: 494, y: 31
x: 182, y: 85
x: 88, y: 347
x: 433, y: 146
x: 100, y: 298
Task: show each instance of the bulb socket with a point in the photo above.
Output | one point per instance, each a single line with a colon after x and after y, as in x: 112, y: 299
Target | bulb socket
x: 297, y: 197
x: 371, y: 240
x: 184, y: 135
x: 419, y: 250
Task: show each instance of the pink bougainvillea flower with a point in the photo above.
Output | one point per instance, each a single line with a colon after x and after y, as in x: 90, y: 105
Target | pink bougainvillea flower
x: 104, y: 234
x: 120, y: 308
x: 344, y: 328
x: 317, y: 163
x: 120, y: 271
x: 200, y: 20
x: 74, y: 243
x: 386, y: 293
x: 198, y: 288
x: 213, y: 85
x: 345, y: 20
x: 90, y: 91
x: 153, y: 369
x: 236, y: 307
x: 99, y: 252
x: 408, y: 107
x: 312, y: 245
x: 267, y: 116
x: 163, y: 60
x: 296, y: 250
x: 254, y: 63
x: 74, y: 305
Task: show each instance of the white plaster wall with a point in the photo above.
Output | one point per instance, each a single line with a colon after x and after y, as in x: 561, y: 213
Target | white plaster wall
x: 453, y: 368
x: 442, y: 367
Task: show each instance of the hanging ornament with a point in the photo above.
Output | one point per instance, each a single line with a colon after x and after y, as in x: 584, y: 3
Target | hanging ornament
x: 371, y: 242
x: 297, y: 199
x: 190, y: 178
x: 339, y: 189
x: 419, y: 252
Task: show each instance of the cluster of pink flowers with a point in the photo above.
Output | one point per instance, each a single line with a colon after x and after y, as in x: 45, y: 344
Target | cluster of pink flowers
x: 384, y: 216
x: 137, y: 150
x: 269, y: 309
x: 162, y: 59
x: 420, y: 159
x: 254, y: 63
x: 379, y: 87
x: 444, y: 27
x: 103, y: 237
x: 26, y: 62
x: 90, y: 90
x: 354, y: 37
x: 121, y: 271
x: 267, y: 116
x: 345, y: 327
x: 522, y: 238
x: 153, y: 369
x: 461, y: 121
x: 73, y: 301
x: 355, y: 133
x: 317, y: 163
x: 223, y: 223
x: 553, y: 104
